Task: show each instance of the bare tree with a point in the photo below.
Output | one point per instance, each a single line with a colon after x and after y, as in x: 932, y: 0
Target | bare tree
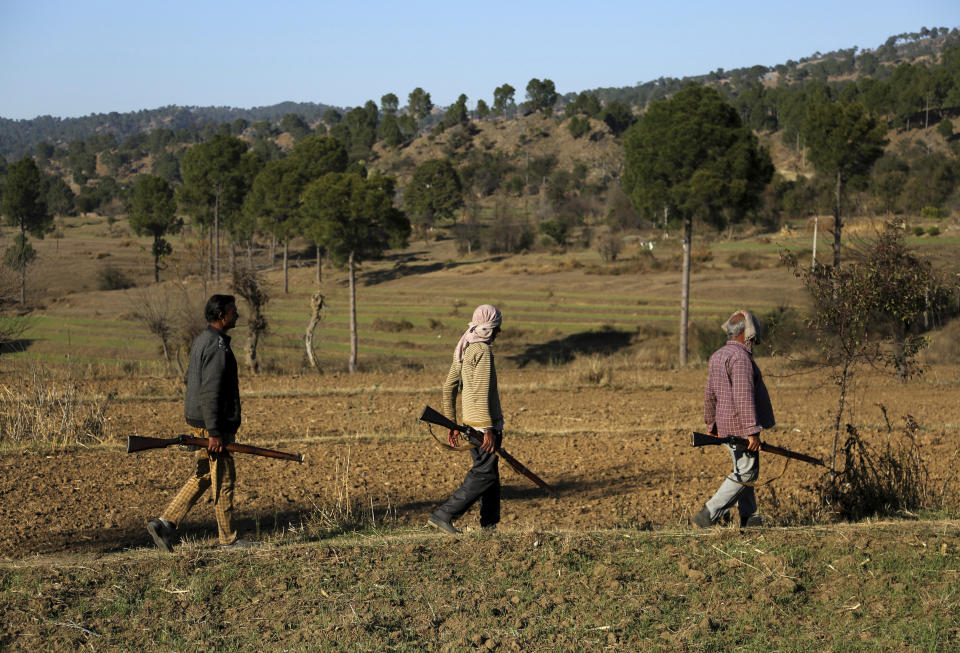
x: 155, y: 313
x: 248, y: 284
x: 316, y: 306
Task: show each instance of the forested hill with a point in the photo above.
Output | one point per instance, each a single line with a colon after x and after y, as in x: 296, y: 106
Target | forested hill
x: 18, y: 137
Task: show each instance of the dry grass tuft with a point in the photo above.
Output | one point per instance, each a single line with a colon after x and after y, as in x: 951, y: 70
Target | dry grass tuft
x: 47, y: 411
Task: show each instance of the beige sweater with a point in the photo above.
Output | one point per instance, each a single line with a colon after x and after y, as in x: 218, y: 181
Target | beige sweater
x: 480, y: 397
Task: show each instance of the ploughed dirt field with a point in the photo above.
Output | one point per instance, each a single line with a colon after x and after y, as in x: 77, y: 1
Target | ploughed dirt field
x: 617, y: 449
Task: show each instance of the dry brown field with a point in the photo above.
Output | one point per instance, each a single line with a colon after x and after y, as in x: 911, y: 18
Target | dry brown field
x: 593, y: 400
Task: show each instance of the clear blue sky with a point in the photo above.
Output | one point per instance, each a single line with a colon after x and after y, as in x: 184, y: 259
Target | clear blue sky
x: 75, y: 57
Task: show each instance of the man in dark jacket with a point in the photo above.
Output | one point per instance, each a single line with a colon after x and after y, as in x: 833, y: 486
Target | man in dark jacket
x: 212, y: 408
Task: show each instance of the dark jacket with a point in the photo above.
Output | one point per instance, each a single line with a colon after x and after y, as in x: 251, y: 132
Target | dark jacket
x: 213, y: 391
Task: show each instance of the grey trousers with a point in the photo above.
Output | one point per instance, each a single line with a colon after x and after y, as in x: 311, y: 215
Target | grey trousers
x: 482, y: 483
x: 746, y: 468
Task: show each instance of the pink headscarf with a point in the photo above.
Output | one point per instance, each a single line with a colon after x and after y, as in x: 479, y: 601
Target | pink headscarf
x: 486, y: 318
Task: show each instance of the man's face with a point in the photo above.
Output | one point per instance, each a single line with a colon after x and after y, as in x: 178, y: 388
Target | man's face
x: 229, y: 319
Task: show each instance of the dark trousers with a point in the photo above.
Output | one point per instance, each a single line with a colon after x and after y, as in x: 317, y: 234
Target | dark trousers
x: 481, y: 482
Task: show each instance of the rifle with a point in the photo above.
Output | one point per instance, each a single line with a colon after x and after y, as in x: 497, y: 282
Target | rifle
x: 475, y: 438
x: 701, y: 439
x: 138, y: 443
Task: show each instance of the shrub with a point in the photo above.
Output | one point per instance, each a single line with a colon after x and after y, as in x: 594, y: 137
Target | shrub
x: 918, y: 231
x: 933, y: 231
x: 111, y: 278
x: 747, y: 261
x: 391, y: 326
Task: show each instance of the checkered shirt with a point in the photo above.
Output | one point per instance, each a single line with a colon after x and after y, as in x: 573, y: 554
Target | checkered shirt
x: 736, y: 401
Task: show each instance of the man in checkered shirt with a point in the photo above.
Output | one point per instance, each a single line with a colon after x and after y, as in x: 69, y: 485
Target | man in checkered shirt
x: 736, y: 402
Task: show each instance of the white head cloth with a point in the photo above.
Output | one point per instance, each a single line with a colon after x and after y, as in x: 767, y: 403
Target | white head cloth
x: 749, y: 328
x: 486, y: 318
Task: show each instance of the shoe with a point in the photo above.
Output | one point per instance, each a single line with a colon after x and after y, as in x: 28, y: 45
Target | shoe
x: 241, y: 543
x: 753, y: 521
x: 443, y: 525
x: 702, y: 518
x: 162, y: 535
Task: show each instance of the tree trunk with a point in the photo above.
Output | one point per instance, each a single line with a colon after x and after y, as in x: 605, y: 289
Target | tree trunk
x: 837, y: 222
x: 813, y: 259
x: 286, y: 251
x: 215, y: 244
x: 233, y: 256
x: 353, y: 315
x: 250, y: 252
x: 156, y: 262
x: 319, y: 263
x: 253, y: 340
x: 273, y: 249
x: 685, y: 288
x: 316, y: 305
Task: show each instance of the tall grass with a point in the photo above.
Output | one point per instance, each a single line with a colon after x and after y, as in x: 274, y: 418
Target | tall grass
x: 44, y: 409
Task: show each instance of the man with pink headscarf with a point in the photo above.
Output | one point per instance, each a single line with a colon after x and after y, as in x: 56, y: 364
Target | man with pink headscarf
x: 473, y: 376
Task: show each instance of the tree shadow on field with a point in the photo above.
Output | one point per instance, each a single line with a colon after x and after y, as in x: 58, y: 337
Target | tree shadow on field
x: 408, y: 265
x: 16, y: 345
x: 563, y: 350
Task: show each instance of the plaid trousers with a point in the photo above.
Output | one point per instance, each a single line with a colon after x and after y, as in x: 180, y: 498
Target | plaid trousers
x: 216, y: 469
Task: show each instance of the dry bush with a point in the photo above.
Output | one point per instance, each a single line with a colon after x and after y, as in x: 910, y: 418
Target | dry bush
x: 876, y: 482
x: 750, y: 261
x: 391, y: 326
x: 348, y: 505
x: 40, y: 409
x: 944, y: 345
x: 593, y: 370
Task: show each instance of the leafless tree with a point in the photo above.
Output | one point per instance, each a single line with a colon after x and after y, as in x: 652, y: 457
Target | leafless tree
x: 248, y: 284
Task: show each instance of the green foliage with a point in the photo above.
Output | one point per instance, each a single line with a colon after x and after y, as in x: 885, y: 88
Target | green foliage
x: 618, y: 117
x: 457, y: 114
x: 24, y: 203
x: 20, y: 254
x: 294, y: 125
x: 482, y: 110
x: 354, y: 217
x: 558, y: 230
x: 419, y: 104
x: 358, y: 131
x: 541, y: 95
x: 692, y: 155
x: 586, y: 103
x: 212, y: 179
x: 153, y: 213
x: 166, y: 165
x: 843, y: 139
x: 434, y: 192
x: 503, y: 100
x: 945, y: 129
x: 113, y: 278
x: 579, y: 126
x: 58, y: 196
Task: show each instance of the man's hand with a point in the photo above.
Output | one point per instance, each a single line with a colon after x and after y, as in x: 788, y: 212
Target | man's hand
x: 453, y: 438
x: 214, y: 445
x: 487, y: 444
x: 753, y: 442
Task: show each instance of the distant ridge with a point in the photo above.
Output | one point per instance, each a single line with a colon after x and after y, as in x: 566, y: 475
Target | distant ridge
x: 18, y: 137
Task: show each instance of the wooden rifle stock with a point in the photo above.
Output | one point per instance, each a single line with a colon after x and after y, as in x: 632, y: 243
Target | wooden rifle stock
x: 702, y: 439
x: 137, y: 443
x: 475, y: 438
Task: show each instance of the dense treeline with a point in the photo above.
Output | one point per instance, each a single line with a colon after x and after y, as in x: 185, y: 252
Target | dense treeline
x: 18, y: 137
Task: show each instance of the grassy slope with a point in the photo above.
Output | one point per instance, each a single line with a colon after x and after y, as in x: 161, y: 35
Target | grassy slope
x: 871, y: 586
